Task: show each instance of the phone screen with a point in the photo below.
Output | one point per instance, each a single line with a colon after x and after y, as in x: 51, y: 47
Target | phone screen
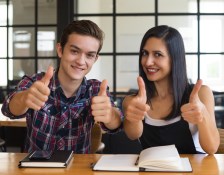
x: 40, y: 154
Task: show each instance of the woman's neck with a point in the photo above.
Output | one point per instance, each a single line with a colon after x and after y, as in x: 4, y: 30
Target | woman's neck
x: 163, y: 89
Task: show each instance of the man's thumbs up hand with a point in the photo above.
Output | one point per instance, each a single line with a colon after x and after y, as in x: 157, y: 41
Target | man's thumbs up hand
x: 37, y: 94
x: 103, y: 88
x: 48, y: 75
x: 102, y: 110
x: 192, y: 111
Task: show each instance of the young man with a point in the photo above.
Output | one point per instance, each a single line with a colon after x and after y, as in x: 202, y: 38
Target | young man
x: 61, y: 106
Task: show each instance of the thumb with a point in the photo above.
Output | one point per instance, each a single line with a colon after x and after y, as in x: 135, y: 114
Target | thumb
x: 194, y: 93
x: 103, y: 88
x: 142, y: 91
x: 48, y: 75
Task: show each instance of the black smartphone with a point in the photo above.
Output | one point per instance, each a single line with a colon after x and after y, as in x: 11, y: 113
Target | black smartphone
x: 40, y: 155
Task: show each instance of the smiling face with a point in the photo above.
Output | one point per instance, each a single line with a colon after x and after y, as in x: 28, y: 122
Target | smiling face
x: 155, y: 60
x: 77, y: 57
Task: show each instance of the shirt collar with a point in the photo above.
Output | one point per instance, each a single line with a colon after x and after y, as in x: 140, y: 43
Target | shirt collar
x: 55, y: 85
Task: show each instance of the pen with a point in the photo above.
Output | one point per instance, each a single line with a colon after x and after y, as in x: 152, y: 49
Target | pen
x: 92, y: 165
x: 136, y: 163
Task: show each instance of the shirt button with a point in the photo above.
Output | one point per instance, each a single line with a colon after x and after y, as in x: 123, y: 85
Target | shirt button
x: 65, y: 108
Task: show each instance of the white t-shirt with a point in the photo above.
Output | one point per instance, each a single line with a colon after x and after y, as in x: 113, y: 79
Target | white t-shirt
x: 193, y: 129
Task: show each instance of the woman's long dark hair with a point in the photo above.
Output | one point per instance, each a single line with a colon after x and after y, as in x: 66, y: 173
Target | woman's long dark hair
x: 175, y: 46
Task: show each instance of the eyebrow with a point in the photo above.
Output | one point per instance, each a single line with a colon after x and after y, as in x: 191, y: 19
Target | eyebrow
x: 76, y: 47
x: 153, y: 51
x: 157, y: 51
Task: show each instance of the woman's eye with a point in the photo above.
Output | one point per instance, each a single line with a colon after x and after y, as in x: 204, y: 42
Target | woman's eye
x: 158, y: 54
x: 144, y: 53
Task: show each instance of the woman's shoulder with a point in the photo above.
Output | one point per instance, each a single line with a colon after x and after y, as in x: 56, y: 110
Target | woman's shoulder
x: 205, y: 93
x: 204, y: 89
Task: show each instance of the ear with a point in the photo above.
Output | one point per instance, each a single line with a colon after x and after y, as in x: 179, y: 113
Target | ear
x: 59, y: 50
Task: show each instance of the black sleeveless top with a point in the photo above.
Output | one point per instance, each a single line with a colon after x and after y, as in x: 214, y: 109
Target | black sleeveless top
x: 177, y: 133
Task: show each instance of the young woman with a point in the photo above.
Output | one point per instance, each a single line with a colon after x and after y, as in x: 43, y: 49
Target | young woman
x: 168, y: 109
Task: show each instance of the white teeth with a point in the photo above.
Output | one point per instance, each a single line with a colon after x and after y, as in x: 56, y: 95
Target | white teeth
x: 152, y: 70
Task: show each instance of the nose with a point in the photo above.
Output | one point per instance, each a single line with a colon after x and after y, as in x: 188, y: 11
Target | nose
x: 149, y: 60
x: 81, y: 58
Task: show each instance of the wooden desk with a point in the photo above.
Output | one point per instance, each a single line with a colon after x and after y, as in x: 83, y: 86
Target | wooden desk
x: 80, y: 165
x: 5, y: 121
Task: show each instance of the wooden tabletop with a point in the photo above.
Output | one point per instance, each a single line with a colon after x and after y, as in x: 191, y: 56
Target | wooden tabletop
x: 202, y: 164
x: 5, y: 121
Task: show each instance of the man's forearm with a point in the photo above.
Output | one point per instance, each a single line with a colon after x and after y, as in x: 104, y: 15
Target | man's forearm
x: 116, y: 121
x: 17, y: 104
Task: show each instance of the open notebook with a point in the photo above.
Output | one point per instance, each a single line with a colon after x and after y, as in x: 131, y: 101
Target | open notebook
x: 161, y: 158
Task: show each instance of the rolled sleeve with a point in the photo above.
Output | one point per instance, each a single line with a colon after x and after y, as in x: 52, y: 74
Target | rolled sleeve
x: 120, y: 128
x: 5, y: 108
x: 24, y: 84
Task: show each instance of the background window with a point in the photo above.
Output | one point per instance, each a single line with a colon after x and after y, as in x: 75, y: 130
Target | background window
x: 130, y: 19
x: 28, y: 38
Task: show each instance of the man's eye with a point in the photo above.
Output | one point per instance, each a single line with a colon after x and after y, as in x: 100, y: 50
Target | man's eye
x: 74, y: 51
x: 91, y: 56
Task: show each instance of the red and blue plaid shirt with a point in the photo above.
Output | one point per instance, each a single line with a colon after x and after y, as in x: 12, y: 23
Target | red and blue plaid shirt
x: 62, y: 123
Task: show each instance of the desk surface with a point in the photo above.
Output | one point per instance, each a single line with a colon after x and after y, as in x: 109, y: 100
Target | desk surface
x: 5, y: 121
x: 80, y: 165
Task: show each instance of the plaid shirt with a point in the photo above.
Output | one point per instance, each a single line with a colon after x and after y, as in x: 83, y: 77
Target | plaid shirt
x: 62, y: 123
